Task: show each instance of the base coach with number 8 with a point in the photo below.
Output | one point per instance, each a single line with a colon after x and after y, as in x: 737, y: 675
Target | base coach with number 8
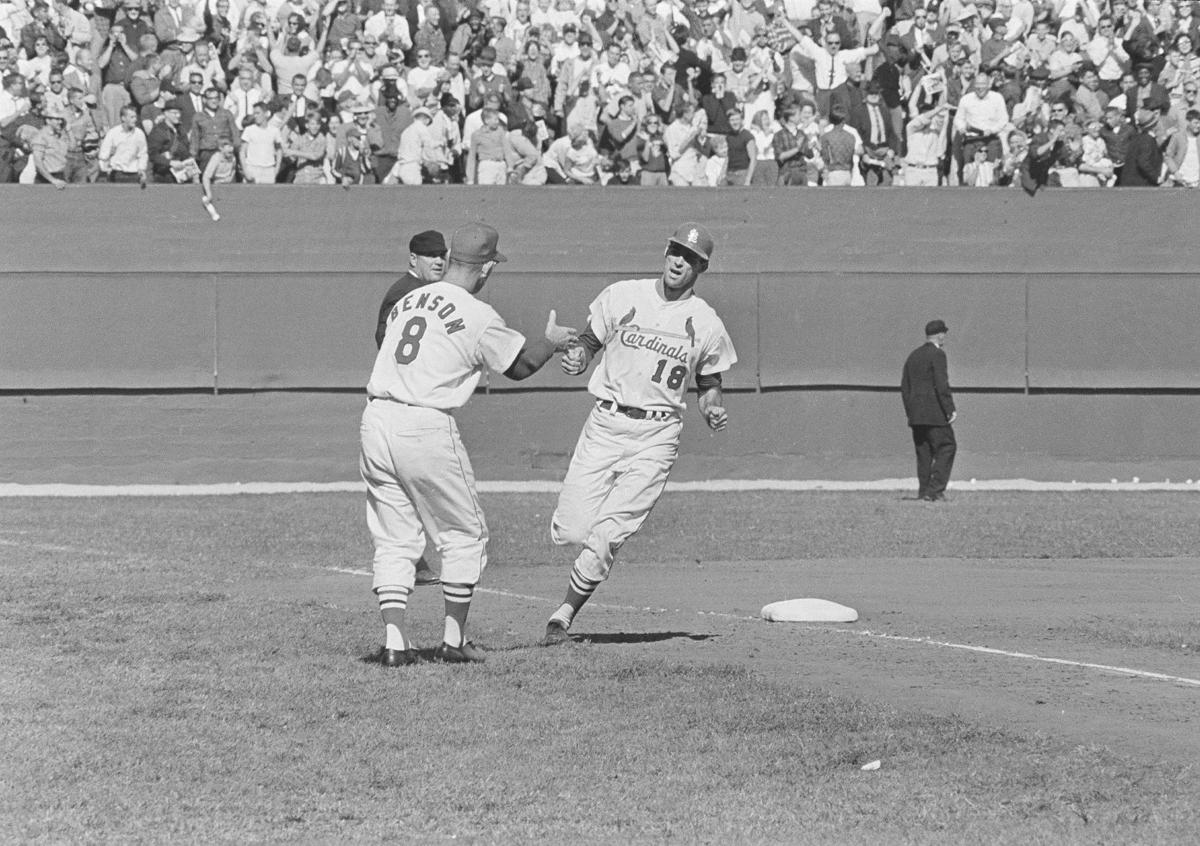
x: 925, y: 389
x: 420, y: 486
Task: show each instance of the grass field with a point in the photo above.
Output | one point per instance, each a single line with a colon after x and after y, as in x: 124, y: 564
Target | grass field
x: 199, y: 670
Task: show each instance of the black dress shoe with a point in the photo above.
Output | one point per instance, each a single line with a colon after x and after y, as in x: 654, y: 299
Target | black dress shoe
x: 397, y: 657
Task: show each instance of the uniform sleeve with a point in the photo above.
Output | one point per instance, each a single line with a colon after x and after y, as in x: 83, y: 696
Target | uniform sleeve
x: 600, y: 315
x: 719, y: 354
x: 499, y: 346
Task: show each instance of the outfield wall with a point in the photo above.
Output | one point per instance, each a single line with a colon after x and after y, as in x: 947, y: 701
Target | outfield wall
x: 109, y: 287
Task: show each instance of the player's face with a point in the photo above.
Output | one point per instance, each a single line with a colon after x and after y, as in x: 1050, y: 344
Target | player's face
x: 681, y: 269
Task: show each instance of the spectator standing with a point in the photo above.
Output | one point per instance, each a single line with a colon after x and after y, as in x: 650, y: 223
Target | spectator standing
x: 352, y: 162
x: 243, y: 95
x: 839, y: 150
x: 926, y: 148
x: 50, y: 149
x: 489, y: 152
x: 167, y: 149
x: 682, y: 143
x: 261, y: 149
x: 980, y: 121
x: 1144, y: 160
x: 792, y: 149
x: 311, y: 152
x: 929, y: 406
x: 881, y: 147
x: 429, y: 37
x: 83, y: 135
x: 742, y: 151
x: 829, y: 58
x: 123, y: 153
x: 766, y: 169
x: 392, y: 117
x: 1108, y: 57
x: 417, y: 151
x: 652, y: 152
x: 221, y: 168
x: 1182, y: 158
x: 116, y: 65
x: 209, y: 126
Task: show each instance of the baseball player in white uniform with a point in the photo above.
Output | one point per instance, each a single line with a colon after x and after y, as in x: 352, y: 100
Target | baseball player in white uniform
x: 419, y: 480
x: 657, y: 336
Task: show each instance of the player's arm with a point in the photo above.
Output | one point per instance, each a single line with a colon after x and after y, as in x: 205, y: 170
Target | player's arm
x: 536, y: 353
x: 711, y: 402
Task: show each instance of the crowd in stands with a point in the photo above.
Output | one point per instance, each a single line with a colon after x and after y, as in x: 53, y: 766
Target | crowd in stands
x: 865, y: 93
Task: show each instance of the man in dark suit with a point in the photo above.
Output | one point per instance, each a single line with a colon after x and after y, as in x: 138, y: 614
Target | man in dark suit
x: 881, y: 147
x: 1143, y: 158
x: 925, y: 389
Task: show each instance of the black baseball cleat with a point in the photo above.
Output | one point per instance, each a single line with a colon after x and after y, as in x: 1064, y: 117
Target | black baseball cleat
x: 556, y: 633
x: 935, y: 498
x: 468, y: 653
x: 397, y: 657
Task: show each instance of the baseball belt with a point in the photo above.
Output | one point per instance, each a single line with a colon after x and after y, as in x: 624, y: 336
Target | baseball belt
x: 636, y: 413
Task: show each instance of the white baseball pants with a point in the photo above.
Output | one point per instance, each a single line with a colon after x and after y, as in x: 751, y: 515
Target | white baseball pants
x: 617, y: 473
x: 420, y: 486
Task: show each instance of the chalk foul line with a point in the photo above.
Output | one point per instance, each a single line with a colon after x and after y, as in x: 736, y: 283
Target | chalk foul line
x: 921, y: 641
x: 542, y: 486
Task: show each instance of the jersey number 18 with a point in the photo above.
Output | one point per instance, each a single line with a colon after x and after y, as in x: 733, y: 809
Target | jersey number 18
x: 674, y: 378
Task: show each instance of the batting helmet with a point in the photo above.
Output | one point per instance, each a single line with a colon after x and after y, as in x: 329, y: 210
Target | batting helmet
x: 695, y: 238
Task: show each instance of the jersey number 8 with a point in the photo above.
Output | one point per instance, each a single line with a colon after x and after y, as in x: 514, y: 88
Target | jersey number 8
x: 410, y: 340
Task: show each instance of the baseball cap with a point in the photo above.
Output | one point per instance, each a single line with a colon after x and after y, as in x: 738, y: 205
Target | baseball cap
x: 693, y: 237
x: 475, y: 243
x: 428, y: 243
x: 935, y: 327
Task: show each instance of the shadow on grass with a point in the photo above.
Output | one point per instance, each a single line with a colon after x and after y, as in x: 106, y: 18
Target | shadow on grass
x: 425, y: 656
x: 637, y: 637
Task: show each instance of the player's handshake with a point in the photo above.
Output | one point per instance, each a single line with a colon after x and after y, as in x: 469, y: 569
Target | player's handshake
x: 574, y: 360
x: 560, y: 336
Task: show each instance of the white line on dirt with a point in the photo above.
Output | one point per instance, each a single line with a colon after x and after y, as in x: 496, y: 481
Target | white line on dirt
x: 923, y: 641
x: 704, y: 486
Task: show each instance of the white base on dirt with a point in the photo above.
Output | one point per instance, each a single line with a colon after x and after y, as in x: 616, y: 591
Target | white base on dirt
x: 808, y: 611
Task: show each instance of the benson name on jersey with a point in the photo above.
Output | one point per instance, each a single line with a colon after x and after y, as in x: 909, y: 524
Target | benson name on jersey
x: 432, y: 303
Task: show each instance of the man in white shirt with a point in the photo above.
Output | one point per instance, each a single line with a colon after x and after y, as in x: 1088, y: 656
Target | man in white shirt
x: 244, y: 94
x: 261, y: 149
x: 388, y: 26
x: 830, y: 60
x: 1107, y: 53
x: 124, y: 156
x: 981, y: 119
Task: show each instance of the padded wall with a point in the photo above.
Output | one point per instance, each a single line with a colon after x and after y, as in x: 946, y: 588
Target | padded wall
x: 112, y: 287
x: 87, y: 330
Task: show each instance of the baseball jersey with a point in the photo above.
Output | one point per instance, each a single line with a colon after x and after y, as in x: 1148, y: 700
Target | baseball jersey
x: 654, y: 348
x: 438, y: 341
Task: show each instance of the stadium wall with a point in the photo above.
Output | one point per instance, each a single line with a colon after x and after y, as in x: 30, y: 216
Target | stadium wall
x: 824, y: 292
